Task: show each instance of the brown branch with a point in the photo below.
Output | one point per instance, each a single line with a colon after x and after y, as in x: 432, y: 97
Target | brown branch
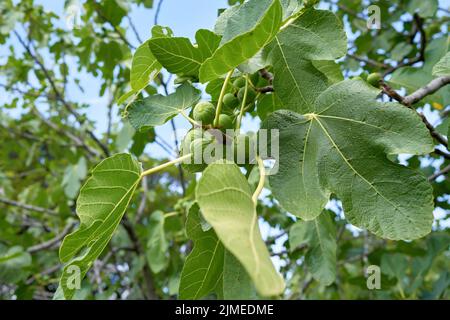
x: 368, y: 61
x: 78, y: 142
x: 442, y: 153
x: 423, y: 42
x: 28, y: 207
x: 151, y: 293
x: 429, y: 89
x: 439, y: 173
x: 133, y: 28
x: 116, y: 29
x: 266, y: 75
x: 50, y: 243
x: 59, y: 97
x: 265, y: 89
x: 158, y: 10
x: 406, y: 101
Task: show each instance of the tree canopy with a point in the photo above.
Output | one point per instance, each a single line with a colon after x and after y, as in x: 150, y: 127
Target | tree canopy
x: 103, y: 198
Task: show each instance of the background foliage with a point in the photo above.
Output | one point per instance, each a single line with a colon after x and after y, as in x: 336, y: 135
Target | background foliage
x: 50, y: 142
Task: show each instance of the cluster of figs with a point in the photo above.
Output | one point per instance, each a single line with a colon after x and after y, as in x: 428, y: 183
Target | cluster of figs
x: 223, y: 133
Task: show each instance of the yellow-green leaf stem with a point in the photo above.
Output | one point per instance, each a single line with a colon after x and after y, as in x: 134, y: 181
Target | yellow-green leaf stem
x: 262, y: 178
x: 244, y: 101
x: 165, y: 165
x: 222, y: 94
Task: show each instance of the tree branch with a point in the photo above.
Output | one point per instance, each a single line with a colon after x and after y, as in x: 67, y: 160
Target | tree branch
x: 28, y: 207
x: 50, y: 243
x: 151, y: 293
x: 368, y: 61
x: 439, y: 173
x: 423, y: 42
x: 422, y: 93
x: 429, y: 89
x: 58, y: 94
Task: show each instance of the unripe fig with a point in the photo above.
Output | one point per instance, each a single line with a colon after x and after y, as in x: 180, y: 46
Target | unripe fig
x: 251, y: 95
x: 230, y: 101
x: 225, y: 122
x: 190, y: 136
x: 199, y: 144
x: 239, y: 82
x: 374, y: 79
x: 204, y: 112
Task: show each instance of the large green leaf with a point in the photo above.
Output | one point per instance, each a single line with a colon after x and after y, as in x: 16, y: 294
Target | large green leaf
x: 442, y: 68
x: 100, y: 206
x: 314, y: 35
x: 237, y: 284
x: 144, y: 67
x: 225, y: 200
x: 179, y: 56
x: 157, y: 245
x: 248, y: 29
x: 319, y: 235
x: 341, y: 148
x: 158, y: 109
x: 202, y: 271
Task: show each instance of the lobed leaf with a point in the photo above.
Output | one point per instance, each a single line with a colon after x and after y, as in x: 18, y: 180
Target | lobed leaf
x: 179, y: 56
x: 100, y: 206
x: 248, y: 29
x: 340, y: 147
x: 144, y: 67
x: 225, y: 200
x: 157, y: 109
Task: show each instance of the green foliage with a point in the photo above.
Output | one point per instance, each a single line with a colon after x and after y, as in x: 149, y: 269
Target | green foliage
x: 100, y: 206
x: 250, y: 28
x: 319, y: 155
x: 347, y: 157
x: 225, y: 201
x: 158, y: 109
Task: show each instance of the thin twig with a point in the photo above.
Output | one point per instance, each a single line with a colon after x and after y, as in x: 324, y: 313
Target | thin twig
x: 157, y: 12
x: 58, y: 94
x: 50, y: 243
x: 439, y: 173
x: 406, y: 101
x: 151, y: 293
x: 368, y: 61
x: 429, y: 89
x: 423, y: 42
x: 28, y: 207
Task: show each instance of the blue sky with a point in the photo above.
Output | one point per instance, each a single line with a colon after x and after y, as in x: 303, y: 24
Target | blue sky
x: 184, y: 17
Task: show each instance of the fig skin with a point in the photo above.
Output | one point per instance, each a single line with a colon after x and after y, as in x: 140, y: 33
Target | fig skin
x: 251, y: 95
x: 230, y: 101
x: 374, y: 79
x: 204, y: 112
x: 239, y: 83
x: 225, y: 122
